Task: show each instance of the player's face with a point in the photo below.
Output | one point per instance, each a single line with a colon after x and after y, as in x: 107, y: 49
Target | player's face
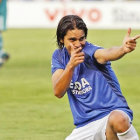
x: 75, y: 37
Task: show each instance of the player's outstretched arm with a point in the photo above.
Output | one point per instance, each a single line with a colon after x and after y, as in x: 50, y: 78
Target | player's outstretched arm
x: 111, y: 54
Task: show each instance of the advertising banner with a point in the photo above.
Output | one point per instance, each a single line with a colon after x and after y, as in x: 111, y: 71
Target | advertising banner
x: 96, y: 14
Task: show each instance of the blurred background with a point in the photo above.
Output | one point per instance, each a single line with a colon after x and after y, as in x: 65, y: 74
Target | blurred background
x: 98, y: 14
x: 28, y: 108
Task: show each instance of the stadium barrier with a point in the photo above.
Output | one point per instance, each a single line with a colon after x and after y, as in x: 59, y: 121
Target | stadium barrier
x: 96, y: 14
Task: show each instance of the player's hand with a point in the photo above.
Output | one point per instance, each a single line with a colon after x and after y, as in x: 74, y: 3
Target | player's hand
x: 77, y: 56
x: 129, y: 43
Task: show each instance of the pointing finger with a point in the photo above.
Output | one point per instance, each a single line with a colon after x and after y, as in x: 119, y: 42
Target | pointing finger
x: 131, y: 41
x: 72, y: 47
x: 75, y: 49
x: 136, y: 37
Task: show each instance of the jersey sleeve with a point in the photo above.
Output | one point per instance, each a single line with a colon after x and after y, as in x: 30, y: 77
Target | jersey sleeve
x: 91, y: 49
x: 56, y: 61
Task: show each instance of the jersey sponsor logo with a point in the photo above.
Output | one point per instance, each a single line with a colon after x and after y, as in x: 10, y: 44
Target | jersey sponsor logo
x: 80, y: 87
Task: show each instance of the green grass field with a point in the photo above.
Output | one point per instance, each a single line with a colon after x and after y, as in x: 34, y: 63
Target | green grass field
x: 28, y: 108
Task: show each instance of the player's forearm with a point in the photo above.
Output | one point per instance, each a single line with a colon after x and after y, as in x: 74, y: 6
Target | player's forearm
x: 111, y: 54
x: 62, y: 83
x: 129, y: 45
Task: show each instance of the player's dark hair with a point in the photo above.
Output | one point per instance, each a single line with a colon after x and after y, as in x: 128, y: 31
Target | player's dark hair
x: 69, y: 22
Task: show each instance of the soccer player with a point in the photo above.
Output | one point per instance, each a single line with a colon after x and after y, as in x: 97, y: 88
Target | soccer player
x: 83, y: 70
x: 3, y: 12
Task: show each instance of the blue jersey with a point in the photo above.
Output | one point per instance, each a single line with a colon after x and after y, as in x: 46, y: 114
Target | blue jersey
x: 94, y: 90
x: 3, y: 14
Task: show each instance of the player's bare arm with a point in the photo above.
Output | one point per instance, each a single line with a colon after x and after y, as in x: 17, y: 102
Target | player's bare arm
x: 111, y: 54
x: 61, y: 78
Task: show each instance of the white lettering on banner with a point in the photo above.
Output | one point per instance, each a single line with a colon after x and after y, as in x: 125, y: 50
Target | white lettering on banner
x: 93, y: 14
x: 81, y: 87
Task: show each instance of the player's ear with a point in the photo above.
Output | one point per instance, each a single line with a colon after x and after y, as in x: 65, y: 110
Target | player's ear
x: 61, y: 40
